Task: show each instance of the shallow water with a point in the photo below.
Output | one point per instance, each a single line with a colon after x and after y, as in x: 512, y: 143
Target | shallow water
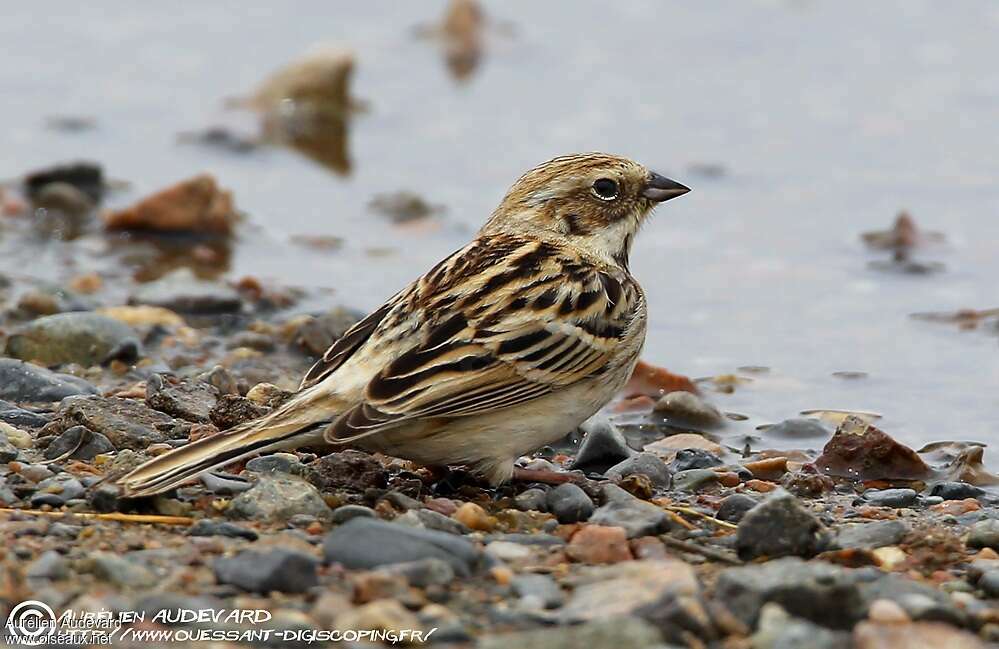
x: 825, y: 120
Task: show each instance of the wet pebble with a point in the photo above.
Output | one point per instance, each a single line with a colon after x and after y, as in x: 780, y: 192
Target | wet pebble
x: 694, y: 458
x: 279, y: 569
x: 687, y: 407
x: 569, y: 503
x: 24, y: 382
x: 956, y: 490
x: 779, y: 526
x: 196, y: 205
x: 860, y: 451
x: 58, y: 489
x: 603, y: 445
x: 732, y: 508
x: 694, y: 479
x: 597, y: 544
x: 84, y: 338
x: 210, y: 527
x: 636, y: 517
x: 278, y: 497
x: 225, y: 484
x: 798, y: 428
x: 896, y: 498
x: 79, y: 443
x: 646, y: 464
x: 370, y: 543
x: 12, y: 417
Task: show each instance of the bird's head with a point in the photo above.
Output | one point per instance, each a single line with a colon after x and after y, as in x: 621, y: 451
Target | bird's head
x: 595, y: 201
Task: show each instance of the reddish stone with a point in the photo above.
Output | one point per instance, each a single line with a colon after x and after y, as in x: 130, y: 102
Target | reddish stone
x: 769, y: 469
x: 193, y: 205
x: 651, y: 381
x: 957, y: 507
x: 444, y: 506
x: 860, y: 451
x: 599, y: 544
x: 761, y: 486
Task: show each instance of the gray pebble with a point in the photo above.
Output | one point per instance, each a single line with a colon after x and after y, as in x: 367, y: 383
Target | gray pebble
x: 532, y: 500
x: 279, y: 569
x: 896, y: 498
x: 733, y: 508
x: 647, y: 464
x: 569, y: 503
x: 209, y: 527
x: 344, y: 513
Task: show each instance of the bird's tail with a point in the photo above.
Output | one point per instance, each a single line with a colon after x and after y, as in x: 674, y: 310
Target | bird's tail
x: 291, y: 425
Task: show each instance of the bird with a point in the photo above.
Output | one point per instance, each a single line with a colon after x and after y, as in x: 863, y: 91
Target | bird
x: 505, y: 346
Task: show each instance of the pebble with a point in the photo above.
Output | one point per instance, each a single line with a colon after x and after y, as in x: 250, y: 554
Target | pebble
x: 127, y: 423
x: 860, y: 451
x: 603, y: 445
x: 687, y: 407
x: 732, y: 508
x: 814, y: 590
x: 80, y: 443
x: 424, y: 572
x: 646, y: 464
x: 181, y: 291
x: 231, y: 410
x: 431, y: 520
x: 508, y: 551
x: 619, y: 633
x: 916, y: 635
x: 896, y: 498
x: 694, y: 458
x: 279, y: 569
x: 276, y: 463
x: 569, y: 503
x: 18, y: 438
x: 278, y: 497
x: 344, y: 513
x: 599, y: 544
x: 887, y: 611
x: 193, y: 206
x: 532, y: 500
x: 8, y: 452
x: 984, y: 534
x: 370, y: 543
x: 87, y: 177
x: 84, y: 338
x: 12, y: 417
x: 210, y: 527
x: 184, y: 399
x: 956, y: 490
x: 668, y: 446
x: 989, y: 582
x: 537, y: 591
x: 317, y: 334
x: 50, y: 565
x: 779, y: 526
x: 694, y: 479
x: 869, y: 536
x: 24, y: 382
x: 798, y: 428
x: 122, y: 571
x: 778, y: 630
x: 384, y: 614
x: 474, y: 517
x: 636, y: 517
x: 630, y: 588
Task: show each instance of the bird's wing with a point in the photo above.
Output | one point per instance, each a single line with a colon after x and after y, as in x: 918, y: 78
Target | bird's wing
x: 503, y: 321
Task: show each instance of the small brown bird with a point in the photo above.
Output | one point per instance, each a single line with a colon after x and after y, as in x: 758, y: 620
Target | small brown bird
x: 503, y: 347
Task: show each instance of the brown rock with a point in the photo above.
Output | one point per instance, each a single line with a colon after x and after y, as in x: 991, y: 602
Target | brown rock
x: 599, y: 544
x: 651, y: 381
x: 769, y: 469
x: 321, y: 79
x: 352, y: 470
x: 196, y: 205
x: 917, y: 635
x: 761, y: 486
x: 860, y: 451
x: 968, y: 467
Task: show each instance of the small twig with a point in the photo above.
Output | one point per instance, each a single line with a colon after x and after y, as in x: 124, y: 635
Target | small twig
x: 117, y: 517
x: 693, y: 548
x: 679, y: 520
x: 694, y: 512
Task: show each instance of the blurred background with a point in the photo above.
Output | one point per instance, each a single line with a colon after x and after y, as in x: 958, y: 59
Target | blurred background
x: 799, y: 125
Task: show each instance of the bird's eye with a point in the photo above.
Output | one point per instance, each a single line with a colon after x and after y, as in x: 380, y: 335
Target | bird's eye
x: 605, y: 189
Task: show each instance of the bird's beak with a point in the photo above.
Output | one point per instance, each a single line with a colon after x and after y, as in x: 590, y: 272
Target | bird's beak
x: 659, y: 188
